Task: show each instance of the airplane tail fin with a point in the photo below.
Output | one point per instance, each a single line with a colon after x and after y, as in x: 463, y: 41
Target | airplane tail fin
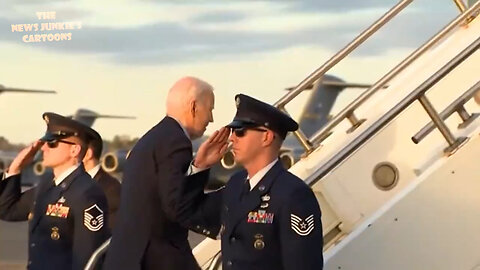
x: 325, y: 91
x: 88, y: 117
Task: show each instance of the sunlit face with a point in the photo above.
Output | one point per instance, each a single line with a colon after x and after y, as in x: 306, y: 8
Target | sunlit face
x: 203, y: 114
x: 247, y: 143
x: 59, y: 152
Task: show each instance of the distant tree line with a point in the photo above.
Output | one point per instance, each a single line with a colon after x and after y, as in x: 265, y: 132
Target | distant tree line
x: 5, y: 145
x: 119, y: 142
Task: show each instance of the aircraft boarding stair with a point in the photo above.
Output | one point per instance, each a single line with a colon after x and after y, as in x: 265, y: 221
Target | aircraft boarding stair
x: 397, y: 182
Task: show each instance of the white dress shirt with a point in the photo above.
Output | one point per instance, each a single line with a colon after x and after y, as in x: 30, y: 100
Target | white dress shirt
x: 93, y: 171
x: 58, y: 180
x: 260, y: 174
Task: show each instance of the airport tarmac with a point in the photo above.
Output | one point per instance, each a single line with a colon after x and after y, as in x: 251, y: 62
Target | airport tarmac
x: 13, y: 244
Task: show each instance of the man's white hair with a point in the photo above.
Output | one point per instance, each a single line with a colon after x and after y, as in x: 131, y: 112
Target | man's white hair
x: 183, y: 92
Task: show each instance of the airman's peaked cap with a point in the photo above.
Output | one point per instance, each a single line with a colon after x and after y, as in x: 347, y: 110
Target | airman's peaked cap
x: 254, y: 113
x: 60, y: 127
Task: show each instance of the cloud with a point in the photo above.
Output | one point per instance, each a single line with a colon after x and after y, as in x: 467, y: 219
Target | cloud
x: 175, y: 42
x: 219, y: 17
x: 339, y: 6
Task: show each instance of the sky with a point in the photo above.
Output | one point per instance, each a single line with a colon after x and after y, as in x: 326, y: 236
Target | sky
x: 121, y: 57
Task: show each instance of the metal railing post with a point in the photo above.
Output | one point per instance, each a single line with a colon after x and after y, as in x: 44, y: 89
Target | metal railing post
x: 460, y: 5
x: 442, y: 127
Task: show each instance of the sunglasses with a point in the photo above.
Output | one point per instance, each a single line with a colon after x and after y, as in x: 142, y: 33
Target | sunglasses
x: 54, y: 143
x: 240, y: 132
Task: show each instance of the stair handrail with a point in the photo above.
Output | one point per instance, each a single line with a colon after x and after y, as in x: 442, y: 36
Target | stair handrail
x: 319, y: 72
x: 321, y: 134
x: 416, y: 94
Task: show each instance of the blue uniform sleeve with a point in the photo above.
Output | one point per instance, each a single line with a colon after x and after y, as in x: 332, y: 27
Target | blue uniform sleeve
x: 205, y: 208
x: 301, y: 232
x: 90, y: 228
x: 15, y: 205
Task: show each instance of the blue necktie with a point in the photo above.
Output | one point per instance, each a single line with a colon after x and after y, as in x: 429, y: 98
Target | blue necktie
x: 245, y: 189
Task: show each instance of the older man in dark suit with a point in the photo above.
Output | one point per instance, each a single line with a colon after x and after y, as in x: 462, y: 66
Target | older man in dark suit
x: 150, y: 231
x: 109, y: 184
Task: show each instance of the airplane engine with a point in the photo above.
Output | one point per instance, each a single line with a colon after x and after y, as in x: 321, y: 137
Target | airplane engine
x: 38, y: 168
x: 287, y: 159
x: 114, y: 161
x: 228, y: 160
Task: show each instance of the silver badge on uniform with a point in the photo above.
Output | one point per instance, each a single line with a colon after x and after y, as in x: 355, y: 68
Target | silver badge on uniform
x: 93, y: 218
x: 237, y: 102
x: 265, y: 198
x: 302, y: 227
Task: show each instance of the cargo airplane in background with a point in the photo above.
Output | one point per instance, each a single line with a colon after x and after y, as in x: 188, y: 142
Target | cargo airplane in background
x: 315, y: 114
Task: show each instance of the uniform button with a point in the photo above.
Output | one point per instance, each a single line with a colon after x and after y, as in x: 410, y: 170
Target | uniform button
x: 32, y: 245
x: 29, y: 262
x: 233, y: 239
x: 229, y: 263
x: 198, y: 227
x: 226, y: 208
x: 204, y: 231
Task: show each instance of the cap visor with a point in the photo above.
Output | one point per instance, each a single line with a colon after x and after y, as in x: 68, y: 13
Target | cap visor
x: 241, y: 124
x: 48, y: 137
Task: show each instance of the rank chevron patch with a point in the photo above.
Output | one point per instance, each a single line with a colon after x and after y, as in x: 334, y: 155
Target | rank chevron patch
x: 302, y: 227
x: 93, y: 218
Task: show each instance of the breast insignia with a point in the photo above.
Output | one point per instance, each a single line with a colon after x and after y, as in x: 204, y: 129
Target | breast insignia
x: 55, y: 235
x: 259, y: 244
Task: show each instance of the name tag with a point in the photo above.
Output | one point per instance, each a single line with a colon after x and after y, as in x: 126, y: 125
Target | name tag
x: 57, y: 210
x: 261, y: 216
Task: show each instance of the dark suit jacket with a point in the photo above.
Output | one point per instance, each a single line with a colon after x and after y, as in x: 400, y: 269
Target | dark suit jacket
x: 150, y: 230
x: 277, y: 225
x: 111, y: 187
x: 63, y: 239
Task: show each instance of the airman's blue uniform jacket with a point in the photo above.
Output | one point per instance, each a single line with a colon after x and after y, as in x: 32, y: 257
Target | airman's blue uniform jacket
x: 275, y: 226
x: 66, y: 222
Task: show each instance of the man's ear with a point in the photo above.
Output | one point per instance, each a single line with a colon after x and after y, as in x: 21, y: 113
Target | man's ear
x: 268, y: 137
x: 75, y: 150
x: 193, y: 108
x: 88, y: 154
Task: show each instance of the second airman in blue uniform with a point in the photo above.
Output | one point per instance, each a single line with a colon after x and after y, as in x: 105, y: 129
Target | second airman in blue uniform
x: 270, y: 219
